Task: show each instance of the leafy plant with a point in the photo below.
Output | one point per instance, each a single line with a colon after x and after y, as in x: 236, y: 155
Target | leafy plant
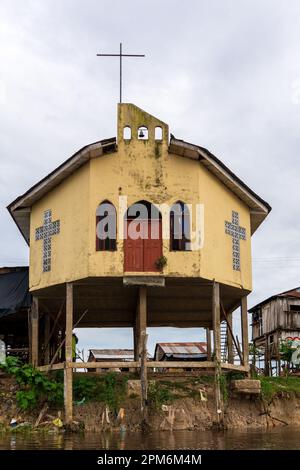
x: 35, y: 386
x: 159, y: 395
x: 161, y: 262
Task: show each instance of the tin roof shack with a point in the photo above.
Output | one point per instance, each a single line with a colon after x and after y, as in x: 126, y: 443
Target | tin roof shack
x: 273, y: 320
x: 111, y: 355
x: 15, y: 301
x: 188, y: 352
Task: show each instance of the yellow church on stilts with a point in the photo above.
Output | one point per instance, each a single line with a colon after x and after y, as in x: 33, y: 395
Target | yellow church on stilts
x: 142, y: 230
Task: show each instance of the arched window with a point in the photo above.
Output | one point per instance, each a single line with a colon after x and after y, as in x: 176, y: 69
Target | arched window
x: 106, y: 227
x: 127, y: 133
x: 143, y: 133
x: 158, y: 133
x: 179, y: 227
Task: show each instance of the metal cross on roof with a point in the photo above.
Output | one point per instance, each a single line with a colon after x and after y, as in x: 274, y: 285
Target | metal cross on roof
x: 238, y: 233
x: 45, y: 233
x: 121, y: 55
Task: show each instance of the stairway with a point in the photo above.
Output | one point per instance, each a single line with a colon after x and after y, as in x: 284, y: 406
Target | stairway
x: 224, y: 349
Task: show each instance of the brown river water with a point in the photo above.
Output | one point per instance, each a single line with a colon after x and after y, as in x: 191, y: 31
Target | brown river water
x: 287, y: 438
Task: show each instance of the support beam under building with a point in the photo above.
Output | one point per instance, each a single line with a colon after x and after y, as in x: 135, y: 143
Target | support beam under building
x: 229, y: 339
x: 142, y: 348
x: 47, y: 339
x: 245, y: 337
x: 208, y: 344
x: 34, y: 320
x: 217, y: 349
x: 68, y: 372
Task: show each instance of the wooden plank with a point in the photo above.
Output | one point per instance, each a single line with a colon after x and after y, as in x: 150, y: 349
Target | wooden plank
x: 234, y: 367
x: 208, y: 344
x: 150, y: 364
x: 245, y: 337
x: 35, y: 331
x: 104, y: 365
x: 181, y: 364
x: 48, y: 368
x: 68, y: 373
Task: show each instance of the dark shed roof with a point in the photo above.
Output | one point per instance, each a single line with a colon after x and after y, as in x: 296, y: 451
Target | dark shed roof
x: 14, y: 290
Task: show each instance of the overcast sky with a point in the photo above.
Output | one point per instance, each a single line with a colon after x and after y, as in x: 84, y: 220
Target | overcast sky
x: 224, y: 74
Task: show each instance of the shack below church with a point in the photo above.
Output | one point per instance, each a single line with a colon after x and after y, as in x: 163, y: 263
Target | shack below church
x: 15, y: 303
x: 180, y: 352
x: 111, y: 356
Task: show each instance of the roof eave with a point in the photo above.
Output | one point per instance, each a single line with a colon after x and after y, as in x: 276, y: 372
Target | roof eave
x: 258, y: 207
x: 19, y: 209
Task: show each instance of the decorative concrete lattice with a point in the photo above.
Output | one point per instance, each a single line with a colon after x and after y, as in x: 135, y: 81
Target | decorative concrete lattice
x: 238, y: 233
x: 46, y: 233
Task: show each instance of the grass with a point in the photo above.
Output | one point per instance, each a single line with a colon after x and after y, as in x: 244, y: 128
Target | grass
x: 108, y: 388
x: 275, y: 386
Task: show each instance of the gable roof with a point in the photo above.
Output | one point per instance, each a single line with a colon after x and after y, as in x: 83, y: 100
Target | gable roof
x: 286, y: 294
x: 20, y: 207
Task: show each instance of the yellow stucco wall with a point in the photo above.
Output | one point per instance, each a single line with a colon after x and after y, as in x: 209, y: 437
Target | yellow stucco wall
x: 139, y: 170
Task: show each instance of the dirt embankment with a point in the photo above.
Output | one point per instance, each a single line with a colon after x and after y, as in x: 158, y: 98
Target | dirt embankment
x: 191, y: 407
x: 240, y: 412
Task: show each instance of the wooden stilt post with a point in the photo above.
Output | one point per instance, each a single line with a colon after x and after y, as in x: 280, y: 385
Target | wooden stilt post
x: 142, y: 328
x: 245, y: 338
x: 46, y: 339
x: 266, y: 357
x: 34, y: 331
x: 208, y: 344
x: 68, y: 373
x: 217, y: 349
x: 229, y: 339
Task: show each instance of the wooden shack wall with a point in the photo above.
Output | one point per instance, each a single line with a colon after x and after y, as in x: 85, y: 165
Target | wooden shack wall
x: 276, y: 314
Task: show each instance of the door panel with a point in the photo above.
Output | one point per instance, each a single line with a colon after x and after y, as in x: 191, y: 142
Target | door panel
x: 152, y: 247
x: 141, y: 254
x: 133, y: 249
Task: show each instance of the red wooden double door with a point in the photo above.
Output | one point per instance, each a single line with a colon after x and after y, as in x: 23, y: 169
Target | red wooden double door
x: 141, y: 252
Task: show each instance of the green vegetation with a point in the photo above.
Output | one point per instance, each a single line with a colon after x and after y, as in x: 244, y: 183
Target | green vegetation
x: 35, y: 387
x: 276, y: 386
x: 109, y: 388
x: 159, y: 394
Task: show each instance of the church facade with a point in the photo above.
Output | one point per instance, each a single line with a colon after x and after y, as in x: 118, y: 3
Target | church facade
x: 141, y: 222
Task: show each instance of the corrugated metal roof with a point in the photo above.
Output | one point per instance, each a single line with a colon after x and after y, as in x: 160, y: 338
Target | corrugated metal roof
x: 289, y: 293
x: 183, y: 348
x: 125, y: 354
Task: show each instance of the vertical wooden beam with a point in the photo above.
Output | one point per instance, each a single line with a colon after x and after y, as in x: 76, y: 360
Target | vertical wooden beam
x: 68, y: 373
x: 245, y: 337
x: 229, y: 339
x: 217, y: 350
x: 34, y: 348
x: 47, y: 339
x: 208, y: 344
x: 216, y: 321
x: 142, y: 319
